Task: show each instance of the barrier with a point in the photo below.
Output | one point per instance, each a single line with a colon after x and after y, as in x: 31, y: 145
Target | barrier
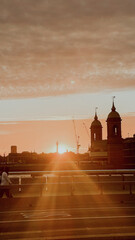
x: 50, y: 182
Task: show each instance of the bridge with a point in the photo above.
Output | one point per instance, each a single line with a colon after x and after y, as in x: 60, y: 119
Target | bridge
x: 70, y: 205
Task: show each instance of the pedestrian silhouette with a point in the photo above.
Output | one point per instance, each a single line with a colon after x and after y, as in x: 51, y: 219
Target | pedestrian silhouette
x: 5, y: 184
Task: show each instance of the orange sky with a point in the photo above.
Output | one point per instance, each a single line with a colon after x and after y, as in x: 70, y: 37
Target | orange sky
x: 41, y: 136
x: 59, y: 59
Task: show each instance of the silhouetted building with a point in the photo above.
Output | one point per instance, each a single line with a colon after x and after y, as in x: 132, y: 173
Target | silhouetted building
x: 115, y: 150
x: 114, y: 139
x: 96, y: 131
x: 13, y: 149
x: 98, y: 146
x: 129, y: 150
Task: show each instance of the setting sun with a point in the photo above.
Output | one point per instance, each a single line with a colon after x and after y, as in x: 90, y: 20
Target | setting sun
x: 62, y: 148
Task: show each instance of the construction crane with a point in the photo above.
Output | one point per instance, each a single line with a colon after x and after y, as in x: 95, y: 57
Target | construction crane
x: 77, y: 139
x: 87, y: 134
x: 86, y: 129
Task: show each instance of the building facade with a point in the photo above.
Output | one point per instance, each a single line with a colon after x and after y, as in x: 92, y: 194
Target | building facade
x: 114, y: 150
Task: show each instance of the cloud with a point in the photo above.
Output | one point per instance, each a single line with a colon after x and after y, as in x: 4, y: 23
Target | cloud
x: 8, y: 123
x: 50, y: 48
x: 4, y: 132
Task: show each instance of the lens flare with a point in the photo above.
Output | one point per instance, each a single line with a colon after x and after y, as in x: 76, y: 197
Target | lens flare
x: 62, y: 148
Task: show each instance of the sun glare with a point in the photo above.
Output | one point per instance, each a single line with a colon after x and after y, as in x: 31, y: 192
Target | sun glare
x: 62, y: 149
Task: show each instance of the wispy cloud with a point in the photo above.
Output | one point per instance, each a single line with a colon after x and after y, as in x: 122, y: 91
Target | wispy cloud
x: 9, y: 123
x: 4, y: 132
x: 59, y: 47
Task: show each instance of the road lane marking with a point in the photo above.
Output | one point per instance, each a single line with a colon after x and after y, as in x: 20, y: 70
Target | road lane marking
x: 66, y: 209
x: 65, y: 218
x: 45, y: 214
x: 80, y: 236
x: 130, y: 228
x: 86, y: 236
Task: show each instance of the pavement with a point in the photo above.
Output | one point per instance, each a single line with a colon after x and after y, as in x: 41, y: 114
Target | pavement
x: 92, y: 217
x: 19, y: 203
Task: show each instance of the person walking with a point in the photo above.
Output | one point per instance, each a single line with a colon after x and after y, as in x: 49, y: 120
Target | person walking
x: 5, y: 184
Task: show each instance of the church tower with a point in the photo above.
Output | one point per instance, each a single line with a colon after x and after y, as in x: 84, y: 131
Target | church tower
x: 114, y: 138
x: 96, y: 130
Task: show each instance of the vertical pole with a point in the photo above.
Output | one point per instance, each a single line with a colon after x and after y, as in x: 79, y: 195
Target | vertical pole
x: 20, y: 183
x: 41, y: 186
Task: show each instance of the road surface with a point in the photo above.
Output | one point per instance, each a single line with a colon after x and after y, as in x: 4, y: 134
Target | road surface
x: 76, y: 218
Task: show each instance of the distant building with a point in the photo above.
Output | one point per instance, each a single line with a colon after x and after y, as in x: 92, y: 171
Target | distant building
x: 24, y: 157
x: 98, y: 146
x: 129, y: 150
x: 114, y: 138
x: 114, y: 150
x: 13, y: 149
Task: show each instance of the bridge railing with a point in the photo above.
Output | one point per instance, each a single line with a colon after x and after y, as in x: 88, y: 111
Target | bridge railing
x: 72, y: 182
x: 102, y: 186
x: 78, y: 171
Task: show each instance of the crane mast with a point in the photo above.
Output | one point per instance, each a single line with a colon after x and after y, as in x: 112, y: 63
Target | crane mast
x: 87, y: 134
x: 86, y: 129
x: 76, y: 138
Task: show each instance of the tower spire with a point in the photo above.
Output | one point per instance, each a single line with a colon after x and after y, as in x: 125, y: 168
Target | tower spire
x: 96, y: 117
x: 113, y: 106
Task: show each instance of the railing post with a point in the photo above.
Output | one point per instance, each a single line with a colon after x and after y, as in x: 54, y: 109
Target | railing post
x: 42, y: 186
x: 20, y: 183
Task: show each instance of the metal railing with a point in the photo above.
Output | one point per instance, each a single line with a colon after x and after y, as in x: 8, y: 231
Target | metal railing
x: 101, y: 186
x: 75, y: 182
x: 73, y: 172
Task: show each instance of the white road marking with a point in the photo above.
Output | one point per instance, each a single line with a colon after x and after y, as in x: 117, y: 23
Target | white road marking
x: 65, y: 218
x: 130, y: 228
x: 84, y: 236
x: 45, y: 214
x: 67, y: 209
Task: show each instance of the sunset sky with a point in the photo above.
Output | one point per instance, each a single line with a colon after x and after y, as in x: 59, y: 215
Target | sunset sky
x: 59, y: 59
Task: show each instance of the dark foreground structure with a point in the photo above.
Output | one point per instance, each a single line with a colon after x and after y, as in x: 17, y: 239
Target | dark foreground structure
x: 75, y: 217
x: 114, y: 151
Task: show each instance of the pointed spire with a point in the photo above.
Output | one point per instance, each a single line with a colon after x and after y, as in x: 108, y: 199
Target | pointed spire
x: 96, y: 117
x: 113, y: 106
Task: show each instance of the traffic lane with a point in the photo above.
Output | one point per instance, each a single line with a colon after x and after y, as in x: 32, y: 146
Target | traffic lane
x: 68, y: 218
x: 72, y: 232
x: 75, y: 233
x: 66, y: 212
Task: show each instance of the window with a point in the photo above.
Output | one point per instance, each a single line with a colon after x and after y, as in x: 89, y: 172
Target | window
x: 115, y: 130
